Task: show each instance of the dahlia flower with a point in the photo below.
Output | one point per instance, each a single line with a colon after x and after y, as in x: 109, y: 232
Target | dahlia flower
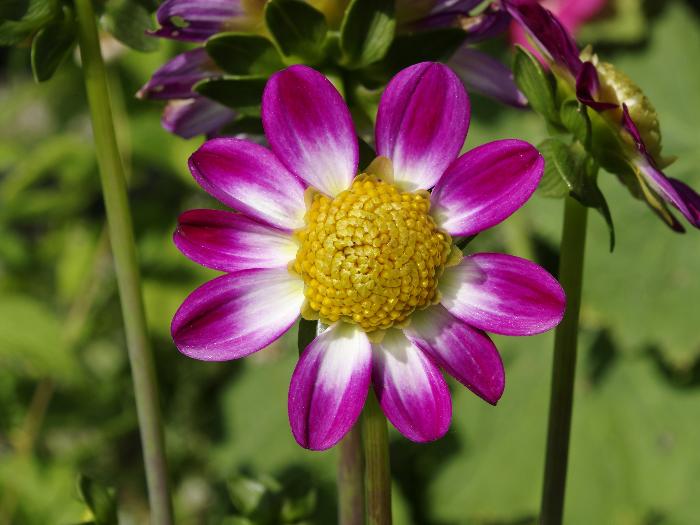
x: 626, y: 132
x: 370, y: 255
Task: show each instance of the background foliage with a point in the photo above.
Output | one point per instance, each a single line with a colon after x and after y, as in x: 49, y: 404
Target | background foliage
x: 66, y: 405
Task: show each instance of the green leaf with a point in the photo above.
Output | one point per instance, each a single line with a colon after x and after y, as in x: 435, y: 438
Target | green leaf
x: 574, y: 117
x: 99, y: 499
x: 367, y: 32
x: 410, y: 48
x: 298, y: 29
x: 296, y: 509
x: 233, y: 91
x: 244, y: 54
x: 34, y: 16
x: 569, y: 169
x: 13, y: 9
x: 535, y: 84
x: 588, y: 193
x: 128, y: 21
x: 52, y: 44
x: 246, y: 494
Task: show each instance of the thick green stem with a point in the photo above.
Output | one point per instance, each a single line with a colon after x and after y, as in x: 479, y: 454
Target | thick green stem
x: 126, y: 265
x: 351, y: 478
x: 375, y: 440
x: 564, y: 366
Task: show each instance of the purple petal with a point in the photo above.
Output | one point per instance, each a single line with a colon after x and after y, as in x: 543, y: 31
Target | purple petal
x: 230, y: 242
x: 588, y: 88
x: 547, y: 31
x: 308, y: 126
x: 196, y: 21
x: 410, y: 389
x: 176, y: 78
x: 195, y: 116
x: 487, y: 76
x: 422, y: 122
x: 486, y: 185
x: 248, y: 177
x: 503, y: 294
x: 329, y: 386
x: 237, y: 314
x: 486, y: 25
x: 467, y: 354
x: 673, y: 191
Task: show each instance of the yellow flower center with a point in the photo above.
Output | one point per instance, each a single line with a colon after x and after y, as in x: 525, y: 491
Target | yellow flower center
x: 370, y: 256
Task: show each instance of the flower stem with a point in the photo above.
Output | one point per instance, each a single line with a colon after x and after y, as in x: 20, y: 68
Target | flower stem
x: 564, y: 366
x: 351, y: 478
x: 375, y: 439
x: 125, y: 262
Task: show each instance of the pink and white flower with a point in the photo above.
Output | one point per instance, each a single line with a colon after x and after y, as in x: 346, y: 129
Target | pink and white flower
x: 370, y: 255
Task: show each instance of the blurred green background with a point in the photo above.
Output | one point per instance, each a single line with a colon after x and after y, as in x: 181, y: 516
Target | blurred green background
x: 66, y: 404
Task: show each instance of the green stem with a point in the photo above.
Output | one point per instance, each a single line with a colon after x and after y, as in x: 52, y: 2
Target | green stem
x: 564, y: 366
x: 126, y: 265
x: 375, y: 439
x: 351, y: 478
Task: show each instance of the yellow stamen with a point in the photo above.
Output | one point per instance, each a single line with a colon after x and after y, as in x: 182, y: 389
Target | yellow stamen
x: 370, y: 256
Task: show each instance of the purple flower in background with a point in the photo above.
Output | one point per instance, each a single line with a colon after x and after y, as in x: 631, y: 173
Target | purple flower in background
x: 369, y: 255
x: 619, y: 103
x: 195, y: 21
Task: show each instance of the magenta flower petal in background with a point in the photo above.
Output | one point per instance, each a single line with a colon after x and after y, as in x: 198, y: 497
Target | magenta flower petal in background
x: 486, y: 185
x: 503, y: 294
x: 237, y: 314
x: 466, y: 353
x: 249, y: 178
x: 486, y: 75
x: 177, y: 77
x: 329, y: 386
x: 230, y: 242
x: 309, y: 128
x: 410, y: 389
x: 188, y: 118
x: 365, y: 255
x: 421, y: 132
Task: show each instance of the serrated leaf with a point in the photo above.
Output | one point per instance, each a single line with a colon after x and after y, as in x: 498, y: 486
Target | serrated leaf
x: 128, y: 21
x: 298, y: 29
x: 34, y: 16
x: 555, y: 180
x: 367, y: 32
x: 52, y: 44
x: 99, y: 499
x: 244, y: 54
x: 535, y: 84
x: 574, y: 117
x: 233, y: 91
x: 411, y: 48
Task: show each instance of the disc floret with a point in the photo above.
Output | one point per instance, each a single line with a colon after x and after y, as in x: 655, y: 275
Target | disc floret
x: 371, y: 255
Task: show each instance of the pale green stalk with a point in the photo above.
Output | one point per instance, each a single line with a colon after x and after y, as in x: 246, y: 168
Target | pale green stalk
x: 126, y: 265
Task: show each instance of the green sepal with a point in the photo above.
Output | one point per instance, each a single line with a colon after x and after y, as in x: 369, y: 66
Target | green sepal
x: 536, y: 84
x: 22, y: 19
x: 432, y: 45
x: 298, y: 29
x: 99, y: 499
x: 239, y: 92
x: 307, y: 333
x: 244, y: 54
x: 52, y: 44
x: 366, y: 32
x: 574, y: 117
x: 569, y: 169
x: 128, y: 21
